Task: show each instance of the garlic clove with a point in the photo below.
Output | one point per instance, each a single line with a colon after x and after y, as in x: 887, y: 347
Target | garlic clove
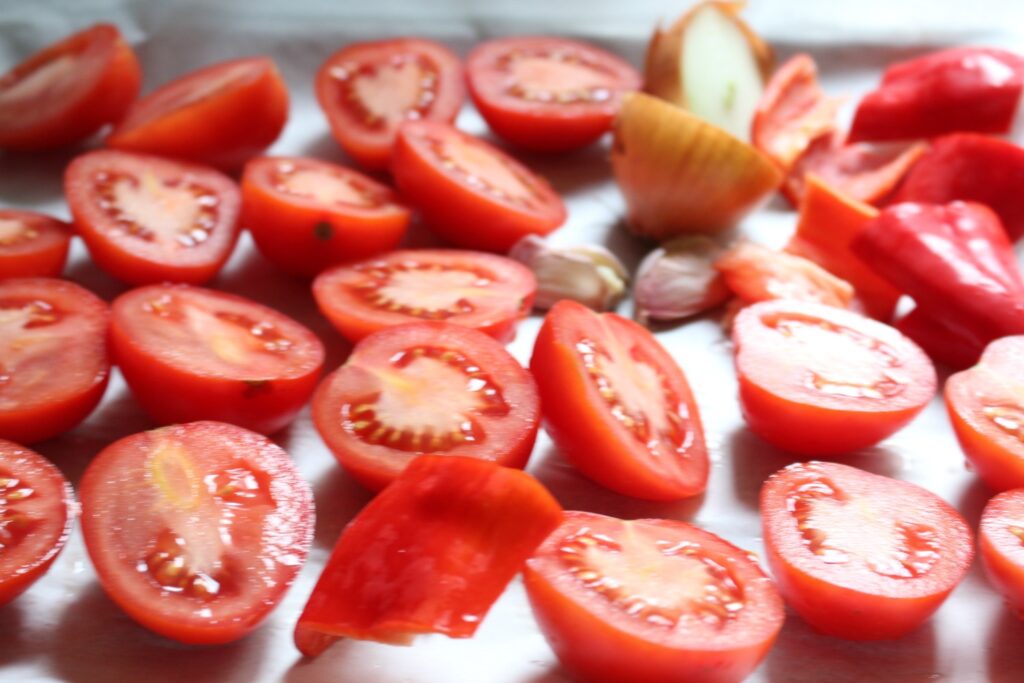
x: 588, y: 274
x: 679, y: 280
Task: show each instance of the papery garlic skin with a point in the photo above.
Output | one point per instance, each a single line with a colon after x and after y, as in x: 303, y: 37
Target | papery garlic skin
x: 588, y: 274
x: 679, y: 280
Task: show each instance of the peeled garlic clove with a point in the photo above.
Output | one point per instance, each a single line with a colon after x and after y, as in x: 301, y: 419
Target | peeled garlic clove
x: 588, y: 274
x: 679, y: 280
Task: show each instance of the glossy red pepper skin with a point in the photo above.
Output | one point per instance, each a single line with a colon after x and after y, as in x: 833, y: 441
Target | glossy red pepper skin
x: 962, y: 89
x: 430, y: 554
x: 947, y: 343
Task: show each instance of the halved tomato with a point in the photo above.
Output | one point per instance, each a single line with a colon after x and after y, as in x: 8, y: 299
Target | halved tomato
x: 222, y: 115
x: 197, y: 530
x: 469, y: 192
x: 617, y: 405
x: 486, y: 292
x: 547, y: 94
x: 32, y: 244
x: 53, y: 357
x: 35, y: 517
x: 858, y: 555
x: 1001, y: 543
x: 306, y: 215
x: 755, y: 273
x: 368, y: 89
x: 819, y: 380
x: 195, y: 354
x: 429, y: 387
x: 146, y: 219
x: 650, y: 600
x: 68, y: 91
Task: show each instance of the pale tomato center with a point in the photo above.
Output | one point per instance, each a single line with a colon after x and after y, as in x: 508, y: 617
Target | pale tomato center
x: 480, y: 168
x: 565, y: 79
x: 14, y: 525
x: 13, y: 231
x: 235, y: 339
x: 28, y: 347
x: 423, y: 292
x: 394, y: 90
x: 325, y: 188
x: 40, y: 88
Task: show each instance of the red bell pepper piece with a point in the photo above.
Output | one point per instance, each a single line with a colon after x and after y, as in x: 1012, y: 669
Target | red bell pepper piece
x: 962, y: 89
x: 430, y: 554
x: 973, y: 168
x: 956, y: 346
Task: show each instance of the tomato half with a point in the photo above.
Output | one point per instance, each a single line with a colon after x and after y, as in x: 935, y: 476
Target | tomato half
x: 368, y: 89
x: 858, y: 555
x: 429, y: 387
x: 195, y: 354
x: 53, y: 357
x: 617, y: 405
x: 547, y: 94
x: 819, y: 380
x: 306, y: 215
x: 32, y: 244
x: 147, y: 219
x: 984, y: 404
x: 222, y: 115
x: 486, y: 292
x: 1001, y: 544
x: 197, y: 530
x: 68, y: 91
x: 35, y: 517
x: 469, y: 192
x: 650, y: 600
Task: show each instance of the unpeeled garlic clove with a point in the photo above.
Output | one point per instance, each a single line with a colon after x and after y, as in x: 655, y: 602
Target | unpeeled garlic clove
x: 588, y: 274
x: 679, y: 280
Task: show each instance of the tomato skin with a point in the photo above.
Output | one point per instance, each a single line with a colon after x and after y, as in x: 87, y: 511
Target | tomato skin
x: 780, y: 405
x: 98, y: 97
x: 544, y: 126
x: 1002, y: 554
x: 579, y: 421
x: 304, y: 236
x: 43, y: 255
x: 173, y: 389
x: 224, y: 128
x: 465, y: 216
x: 854, y: 604
x: 596, y: 645
x: 20, y: 566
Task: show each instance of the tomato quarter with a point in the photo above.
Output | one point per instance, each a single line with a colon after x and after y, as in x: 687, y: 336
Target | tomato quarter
x: 1001, y: 545
x: 32, y: 244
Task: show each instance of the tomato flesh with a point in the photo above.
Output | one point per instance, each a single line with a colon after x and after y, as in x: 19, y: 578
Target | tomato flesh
x: 650, y: 600
x: 189, y: 353
x: 32, y: 244
x: 858, y: 555
x: 755, y: 273
x: 196, y: 530
x: 1001, y: 545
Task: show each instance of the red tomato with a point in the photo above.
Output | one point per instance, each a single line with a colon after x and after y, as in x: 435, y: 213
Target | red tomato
x: 755, y: 273
x: 35, y: 521
x: 430, y: 554
x: 368, y: 89
x: 66, y: 92
x: 53, y: 357
x: 483, y: 291
x: 547, y: 94
x: 617, y: 405
x: 221, y: 115
x: 195, y: 354
x: 428, y: 387
x: 306, y: 215
x: 146, y: 219
x: 984, y: 405
x: 818, y: 380
x: 32, y: 244
x: 650, y: 600
x: 1001, y: 542
x: 469, y: 192
x: 197, y: 530
x: 858, y: 555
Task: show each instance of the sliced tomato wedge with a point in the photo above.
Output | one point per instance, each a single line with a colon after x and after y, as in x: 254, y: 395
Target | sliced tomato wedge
x: 147, y: 219
x: 306, y: 215
x: 195, y: 354
x: 486, y: 292
x: 429, y: 387
x: 32, y: 244
x: 368, y: 89
x: 222, y: 115
x: 469, y: 192
x: 53, y: 357
x: 35, y: 517
x: 68, y: 91
x: 1001, y: 545
x: 820, y: 380
x: 650, y: 600
x: 547, y: 94
x: 196, y: 531
x: 430, y: 554
x: 617, y: 405
x: 858, y: 555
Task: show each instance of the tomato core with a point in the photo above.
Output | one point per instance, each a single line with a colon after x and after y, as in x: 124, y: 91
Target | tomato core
x: 561, y: 76
x: 382, y: 95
